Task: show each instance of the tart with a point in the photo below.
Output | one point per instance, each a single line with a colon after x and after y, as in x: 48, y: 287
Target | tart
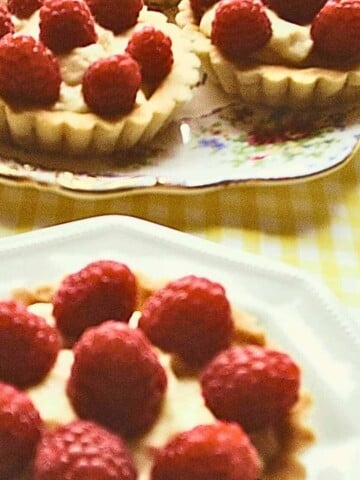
x: 67, y: 123
x: 278, y: 445
x: 289, y: 68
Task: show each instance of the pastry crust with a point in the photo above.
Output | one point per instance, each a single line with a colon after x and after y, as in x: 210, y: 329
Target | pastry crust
x: 286, y: 72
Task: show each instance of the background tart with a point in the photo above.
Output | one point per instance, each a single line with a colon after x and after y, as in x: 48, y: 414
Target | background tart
x: 286, y: 71
x: 68, y: 126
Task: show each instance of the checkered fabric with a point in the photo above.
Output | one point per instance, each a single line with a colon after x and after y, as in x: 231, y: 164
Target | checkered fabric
x: 313, y: 225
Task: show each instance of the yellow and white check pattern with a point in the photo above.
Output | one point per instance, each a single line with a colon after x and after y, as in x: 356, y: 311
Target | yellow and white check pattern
x: 313, y: 225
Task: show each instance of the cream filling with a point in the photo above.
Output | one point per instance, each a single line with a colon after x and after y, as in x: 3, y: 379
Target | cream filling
x: 49, y: 396
x: 74, y: 63
x: 183, y: 407
x: 290, y: 43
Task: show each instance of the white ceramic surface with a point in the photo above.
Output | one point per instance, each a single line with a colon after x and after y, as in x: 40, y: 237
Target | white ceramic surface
x: 300, y: 316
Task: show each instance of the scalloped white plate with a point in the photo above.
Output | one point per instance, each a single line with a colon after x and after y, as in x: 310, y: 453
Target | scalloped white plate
x: 214, y: 141
x: 300, y: 315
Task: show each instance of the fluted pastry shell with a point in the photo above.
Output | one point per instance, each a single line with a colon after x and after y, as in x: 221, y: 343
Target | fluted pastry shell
x: 79, y: 131
x: 269, y: 78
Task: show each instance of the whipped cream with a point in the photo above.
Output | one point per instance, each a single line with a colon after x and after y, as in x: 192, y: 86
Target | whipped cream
x: 183, y: 406
x: 289, y: 43
x: 74, y: 63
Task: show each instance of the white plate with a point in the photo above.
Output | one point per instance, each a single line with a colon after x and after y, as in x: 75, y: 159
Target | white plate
x: 301, y: 316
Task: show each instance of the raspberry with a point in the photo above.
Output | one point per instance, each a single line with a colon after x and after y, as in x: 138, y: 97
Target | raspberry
x: 199, y: 7
x: 190, y: 317
x: 66, y: 24
x: 240, y: 27
x: 151, y: 48
x: 335, y: 29
x: 116, y: 15
x: 28, y: 345
x: 102, y: 290
x: 6, y: 24
x: 110, y: 85
x: 23, y: 8
x: 296, y: 11
x: 218, y: 451
x: 29, y: 72
x: 116, y: 378
x: 251, y: 385
x: 20, y: 427
x: 82, y: 450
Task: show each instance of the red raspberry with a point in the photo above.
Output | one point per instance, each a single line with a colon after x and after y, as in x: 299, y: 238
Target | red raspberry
x: 116, y: 378
x: 23, y: 8
x: 28, y: 345
x: 116, y: 15
x: 151, y: 48
x: 296, y: 11
x: 82, y: 450
x: 190, y: 317
x: 102, y: 290
x: 251, y: 385
x: 20, y: 427
x: 240, y: 27
x: 335, y: 29
x: 66, y: 24
x: 110, y: 85
x: 218, y: 451
x: 29, y: 72
x: 199, y: 7
x: 6, y: 24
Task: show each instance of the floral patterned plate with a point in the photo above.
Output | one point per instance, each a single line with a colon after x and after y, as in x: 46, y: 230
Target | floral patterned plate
x: 215, y: 141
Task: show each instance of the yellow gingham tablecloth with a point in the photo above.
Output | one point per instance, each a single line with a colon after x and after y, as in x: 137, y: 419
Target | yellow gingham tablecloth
x: 313, y: 225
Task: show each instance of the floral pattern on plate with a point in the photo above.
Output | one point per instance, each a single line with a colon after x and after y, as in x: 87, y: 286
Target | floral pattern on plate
x: 214, y: 141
